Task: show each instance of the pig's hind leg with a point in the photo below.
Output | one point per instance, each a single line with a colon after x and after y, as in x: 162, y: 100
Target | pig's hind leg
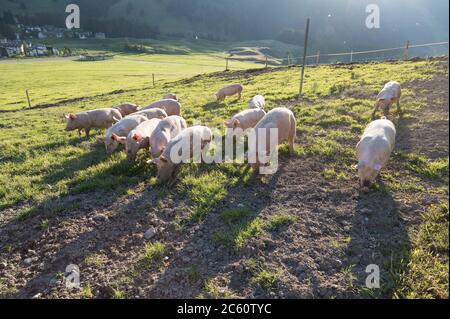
x: 291, y: 138
x: 375, y: 109
x: 399, y: 109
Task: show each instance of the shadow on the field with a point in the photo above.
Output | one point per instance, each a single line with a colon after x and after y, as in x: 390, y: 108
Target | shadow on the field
x: 214, y: 105
x: 210, y: 249
x: 92, y: 190
x: 379, y: 239
x: 403, y: 138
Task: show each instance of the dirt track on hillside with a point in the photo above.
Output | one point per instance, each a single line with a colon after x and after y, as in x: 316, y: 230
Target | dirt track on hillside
x: 338, y: 232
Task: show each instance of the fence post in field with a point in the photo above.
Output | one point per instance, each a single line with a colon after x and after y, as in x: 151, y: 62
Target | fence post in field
x: 351, y: 56
x: 304, y: 58
x: 289, y: 60
x: 405, y: 55
x: 318, y: 57
x: 153, y: 78
x: 28, y: 98
x: 266, y: 62
x: 226, y: 64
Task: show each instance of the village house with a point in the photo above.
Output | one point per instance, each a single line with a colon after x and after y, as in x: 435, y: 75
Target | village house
x: 11, y: 48
x: 83, y: 35
x: 100, y: 35
x: 42, y: 35
x: 21, y: 48
x: 37, y: 50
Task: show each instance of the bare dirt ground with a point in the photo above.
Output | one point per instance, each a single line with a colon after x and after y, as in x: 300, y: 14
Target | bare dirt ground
x: 338, y: 231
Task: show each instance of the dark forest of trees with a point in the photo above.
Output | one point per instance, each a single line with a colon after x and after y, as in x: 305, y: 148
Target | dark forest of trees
x: 335, y: 24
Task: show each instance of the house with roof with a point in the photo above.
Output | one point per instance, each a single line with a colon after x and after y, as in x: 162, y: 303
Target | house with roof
x: 100, y: 35
x: 12, y: 48
x: 37, y: 50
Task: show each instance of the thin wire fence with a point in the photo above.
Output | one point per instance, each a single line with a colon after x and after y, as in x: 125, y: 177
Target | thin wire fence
x: 315, y: 59
x: 320, y: 58
x: 355, y: 56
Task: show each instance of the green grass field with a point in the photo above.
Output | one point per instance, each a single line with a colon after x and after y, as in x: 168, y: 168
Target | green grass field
x: 172, y: 60
x: 53, y: 81
x: 42, y: 167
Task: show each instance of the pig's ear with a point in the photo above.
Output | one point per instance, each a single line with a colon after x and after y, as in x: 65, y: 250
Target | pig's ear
x: 377, y: 167
x: 66, y: 116
x: 236, y: 122
x: 226, y: 123
x: 72, y: 116
x: 117, y: 138
x: 163, y: 159
x: 137, y: 137
x: 115, y: 120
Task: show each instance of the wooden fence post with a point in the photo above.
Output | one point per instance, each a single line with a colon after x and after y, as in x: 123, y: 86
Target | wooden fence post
x: 266, y: 62
x: 153, y: 78
x: 318, y: 57
x: 406, y: 54
x: 304, y: 58
x: 226, y: 64
x: 28, y: 98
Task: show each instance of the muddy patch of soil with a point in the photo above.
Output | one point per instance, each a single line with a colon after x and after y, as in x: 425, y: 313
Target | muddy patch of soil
x: 338, y: 231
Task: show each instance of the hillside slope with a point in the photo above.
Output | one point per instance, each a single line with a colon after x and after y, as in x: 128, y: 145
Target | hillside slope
x: 304, y: 232
x: 335, y: 25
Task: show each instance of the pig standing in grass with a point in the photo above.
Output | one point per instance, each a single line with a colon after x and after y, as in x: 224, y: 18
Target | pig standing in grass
x: 167, y: 165
x: 155, y: 113
x: 390, y: 94
x: 172, y: 107
x: 100, y: 118
x: 373, y: 150
x: 281, y: 119
x: 172, y: 96
x: 244, y: 120
x: 126, y: 108
x: 121, y: 128
x: 257, y: 102
x: 138, y: 138
x: 167, y: 129
x: 229, y: 90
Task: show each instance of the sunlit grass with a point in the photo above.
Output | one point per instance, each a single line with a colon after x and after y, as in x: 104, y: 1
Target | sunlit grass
x: 152, y: 252
x: 426, y: 274
x: 241, y: 227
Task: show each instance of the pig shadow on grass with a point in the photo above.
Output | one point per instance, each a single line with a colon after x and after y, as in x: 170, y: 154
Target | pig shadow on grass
x: 378, y: 237
x: 113, y: 236
x: 89, y: 194
x: 210, y: 106
x: 209, y: 248
x: 403, y: 140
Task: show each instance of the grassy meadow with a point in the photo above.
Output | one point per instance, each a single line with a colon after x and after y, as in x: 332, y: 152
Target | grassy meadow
x: 53, y: 81
x: 44, y: 170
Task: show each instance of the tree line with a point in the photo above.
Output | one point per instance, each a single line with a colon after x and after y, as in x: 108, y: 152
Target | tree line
x: 112, y: 27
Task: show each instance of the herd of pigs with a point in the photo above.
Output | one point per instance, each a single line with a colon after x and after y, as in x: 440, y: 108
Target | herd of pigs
x: 159, y: 126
